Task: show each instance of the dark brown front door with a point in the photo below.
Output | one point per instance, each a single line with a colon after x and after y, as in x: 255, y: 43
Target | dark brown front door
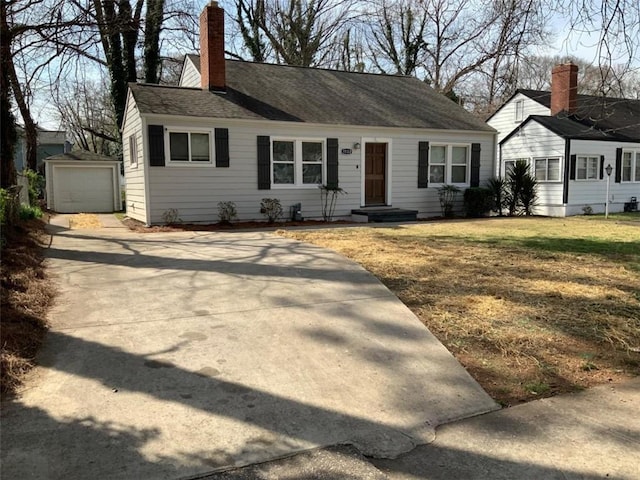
x: 375, y: 159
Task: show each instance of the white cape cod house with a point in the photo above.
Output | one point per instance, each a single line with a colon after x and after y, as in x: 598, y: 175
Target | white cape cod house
x: 241, y: 131
x: 569, y: 141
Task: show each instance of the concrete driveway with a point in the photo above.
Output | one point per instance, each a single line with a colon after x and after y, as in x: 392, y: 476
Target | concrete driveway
x: 173, y: 355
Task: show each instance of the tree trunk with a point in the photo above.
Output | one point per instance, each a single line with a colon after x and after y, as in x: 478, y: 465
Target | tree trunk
x: 30, y: 129
x: 153, y: 23
x: 8, y: 135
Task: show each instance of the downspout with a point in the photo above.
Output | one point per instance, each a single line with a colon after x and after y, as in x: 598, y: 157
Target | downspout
x: 499, y: 155
x: 567, y: 167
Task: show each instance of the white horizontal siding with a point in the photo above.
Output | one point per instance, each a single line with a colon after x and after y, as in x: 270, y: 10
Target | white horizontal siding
x: 190, y: 77
x: 135, y: 204
x: 194, y: 191
x: 535, y: 141
x: 504, y: 120
x: 593, y: 192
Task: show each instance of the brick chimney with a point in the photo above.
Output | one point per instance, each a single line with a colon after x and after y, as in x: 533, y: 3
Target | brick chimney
x: 212, y: 67
x: 564, y: 88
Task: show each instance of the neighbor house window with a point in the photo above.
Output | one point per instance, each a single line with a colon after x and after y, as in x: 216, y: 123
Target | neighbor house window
x: 547, y: 169
x: 133, y: 151
x: 509, y: 164
x: 587, y: 168
x: 189, y: 147
x: 631, y: 166
x: 449, y: 164
x: 297, y: 162
x: 519, y: 112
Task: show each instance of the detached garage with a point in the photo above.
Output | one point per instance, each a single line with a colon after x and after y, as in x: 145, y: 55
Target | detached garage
x: 82, y: 182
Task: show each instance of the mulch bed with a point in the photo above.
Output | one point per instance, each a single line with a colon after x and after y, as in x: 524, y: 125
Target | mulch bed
x: 137, y: 226
x: 27, y: 294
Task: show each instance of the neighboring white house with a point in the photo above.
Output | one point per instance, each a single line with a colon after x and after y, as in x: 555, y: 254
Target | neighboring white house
x: 241, y: 131
x: 569, y: 140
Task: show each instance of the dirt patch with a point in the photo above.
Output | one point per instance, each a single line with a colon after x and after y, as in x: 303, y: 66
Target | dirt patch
x: 84, y: 221
x: 531, y: 307
x: 27, y: 294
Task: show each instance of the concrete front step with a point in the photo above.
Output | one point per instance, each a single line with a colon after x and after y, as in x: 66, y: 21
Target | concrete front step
x: 384, y: 214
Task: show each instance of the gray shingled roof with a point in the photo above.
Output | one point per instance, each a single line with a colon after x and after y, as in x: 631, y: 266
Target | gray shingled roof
x: 618, y: 118
x: 568, y: 128
x: 296, y: 94
x: 82, y: 156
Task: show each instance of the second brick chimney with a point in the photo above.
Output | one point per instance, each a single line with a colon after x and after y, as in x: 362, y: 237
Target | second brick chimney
x: 212, y: 67
x: 564, y: 88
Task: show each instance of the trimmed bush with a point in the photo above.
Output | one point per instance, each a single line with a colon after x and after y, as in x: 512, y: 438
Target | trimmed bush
x: 271, y: 208
x: 478, y: 201
x: 227, y: 212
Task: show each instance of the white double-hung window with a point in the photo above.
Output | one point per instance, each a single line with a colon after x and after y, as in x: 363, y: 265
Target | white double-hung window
x: 449, y: 164
x: 547, y: 169
x: 587, y: 167
x: 188, y: 147
x: 297, y: 162
x: 631, y: 166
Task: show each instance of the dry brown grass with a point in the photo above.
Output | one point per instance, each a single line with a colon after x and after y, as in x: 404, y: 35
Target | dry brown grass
x: 26, y: 295
x: 531, y: 307
x: 84, y: 221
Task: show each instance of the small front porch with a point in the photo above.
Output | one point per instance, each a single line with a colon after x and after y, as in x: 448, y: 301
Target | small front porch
x: 383, y: 214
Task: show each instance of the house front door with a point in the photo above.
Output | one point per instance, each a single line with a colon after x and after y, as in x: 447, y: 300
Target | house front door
x: 375, y: 168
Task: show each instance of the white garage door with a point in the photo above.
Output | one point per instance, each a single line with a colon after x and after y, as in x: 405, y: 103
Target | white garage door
x: 82, y: 189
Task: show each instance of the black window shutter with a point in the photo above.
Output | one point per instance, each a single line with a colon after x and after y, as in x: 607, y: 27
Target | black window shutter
x: 572, y: 168
x: 332, y: 162
x: 601, y: 167
x: 475, y: 165
x: 156, y: 145
x: 618, y: 165
x: 264, y: 163
x: 222, y: 147
x: 423, y: 164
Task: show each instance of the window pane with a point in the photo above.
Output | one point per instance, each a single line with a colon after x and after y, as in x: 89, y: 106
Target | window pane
x: 312, y: 173
x: 508, y: 166
x: 133, y: 154
x: 282, y: 152
x: 638, y: 167
x: 458, y: 174
x: 200, y: 147
x: 592, y: 168
x: 459, y: 155
x: 179, y: 147
x: 519, y: 110
x: 283, y: 173
x: 581, y: 168
x: 438, y: 155
x: 541, y: 169
x: 553, y: 173
x: 311, y: 152
x: 436, y: 174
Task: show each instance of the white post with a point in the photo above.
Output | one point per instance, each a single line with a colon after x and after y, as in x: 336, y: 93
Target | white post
x: 606, y: 205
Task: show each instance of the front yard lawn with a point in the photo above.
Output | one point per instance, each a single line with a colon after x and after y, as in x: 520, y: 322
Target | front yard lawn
x: 531, y: 307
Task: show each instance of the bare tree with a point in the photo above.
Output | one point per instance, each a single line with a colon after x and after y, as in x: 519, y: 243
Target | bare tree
x: 611, y: 27
x: 86, y: 111
x: 398, y: 36
x: 250, y: 17
x: 350, y: 53
x: 26, y: 27
x: 8, y: 134
x: 446, y: 41
x: 294, y: 32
